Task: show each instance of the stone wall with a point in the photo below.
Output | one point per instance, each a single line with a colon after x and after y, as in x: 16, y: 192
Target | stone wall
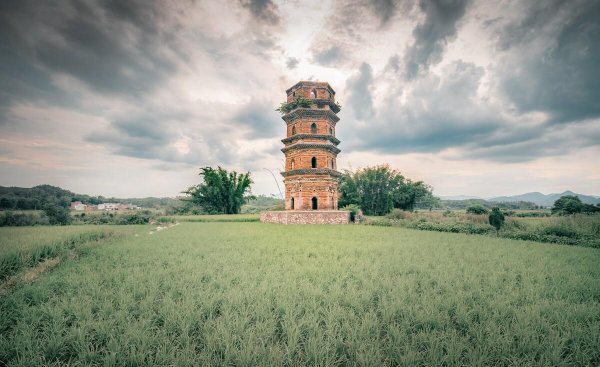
x: 306, y: 217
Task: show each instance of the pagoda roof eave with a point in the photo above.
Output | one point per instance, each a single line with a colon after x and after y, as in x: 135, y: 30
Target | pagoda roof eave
x: 293, y: 138
x: 301, y: 146
x: 312, y: 171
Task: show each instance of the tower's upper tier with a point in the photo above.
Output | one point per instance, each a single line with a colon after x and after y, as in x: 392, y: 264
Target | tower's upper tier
x: 311, y: 90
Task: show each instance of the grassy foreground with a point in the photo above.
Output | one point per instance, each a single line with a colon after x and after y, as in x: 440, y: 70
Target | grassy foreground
x: 249, y: 294
x: 22, y: 247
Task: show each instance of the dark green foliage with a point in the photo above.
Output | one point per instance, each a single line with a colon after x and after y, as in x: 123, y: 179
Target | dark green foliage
x: 379, y: 189
x: 571, y: 204
x: 102, y: 217
x: 477, y: 209
x: 496, y: 219
x: 10, y: 219
x: 57, y: 215
x: 568, y: 204
x: 142, y: 217
x: 221, y: 191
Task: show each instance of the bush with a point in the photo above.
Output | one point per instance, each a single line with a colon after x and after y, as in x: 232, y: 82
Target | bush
x: 10, y: 219
x: 135, y: 218
x: 354, y: 210
x: 477, y: 209
x: 57, y: 215
x: 560, y: 231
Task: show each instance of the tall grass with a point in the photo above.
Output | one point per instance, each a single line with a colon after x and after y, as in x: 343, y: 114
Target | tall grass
x: 253, y: 294
x: 26, y: 246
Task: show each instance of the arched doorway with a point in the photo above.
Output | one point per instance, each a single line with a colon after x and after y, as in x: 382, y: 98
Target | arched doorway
x: 313, y: 128
x: 292, y: 203
x: 315, y: 203
x: 313, y: 162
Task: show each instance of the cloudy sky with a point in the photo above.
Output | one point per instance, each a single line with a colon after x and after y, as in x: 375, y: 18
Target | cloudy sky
x: 130, y: 98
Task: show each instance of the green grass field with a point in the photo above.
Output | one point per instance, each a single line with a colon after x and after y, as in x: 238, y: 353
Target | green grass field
x: 22, y: 247
x: 253, y: 294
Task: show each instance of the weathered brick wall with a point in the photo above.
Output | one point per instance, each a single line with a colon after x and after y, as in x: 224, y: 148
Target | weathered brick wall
x: 304, y: 187
x: 303, y: 126
x: 305, y: 89
x: 306, y: 217
x: 303, y: 158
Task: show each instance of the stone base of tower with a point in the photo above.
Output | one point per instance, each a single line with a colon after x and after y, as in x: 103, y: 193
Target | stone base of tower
x: 306, y: 217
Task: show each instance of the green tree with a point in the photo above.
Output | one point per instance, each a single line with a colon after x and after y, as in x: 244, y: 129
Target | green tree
x: 496, y: 219
x: 568, y: 204
x: 57, y: 215
x: 379, y: 189
x: 221, y: 191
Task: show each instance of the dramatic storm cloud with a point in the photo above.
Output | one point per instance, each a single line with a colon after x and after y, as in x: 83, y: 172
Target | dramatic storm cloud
x: 130, y: 98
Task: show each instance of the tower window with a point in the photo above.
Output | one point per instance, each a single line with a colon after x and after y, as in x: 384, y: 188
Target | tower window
x: 330, y: 131
x: 292, y: 203
x: 293, y: 163
x: 313, y: 162
x: 313, y: 128
x: 294, y: 130
x: 313, y: 94
x: 314, y: 203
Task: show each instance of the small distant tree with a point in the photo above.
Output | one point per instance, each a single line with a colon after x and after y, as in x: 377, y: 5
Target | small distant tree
x: 477, y: 209
x: 568, y: 204
x: 221, y: 191
x: 496, y: 219
x: 57, y: 215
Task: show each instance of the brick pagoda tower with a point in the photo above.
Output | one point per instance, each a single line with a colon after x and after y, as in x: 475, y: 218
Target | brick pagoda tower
x: 310, y: 176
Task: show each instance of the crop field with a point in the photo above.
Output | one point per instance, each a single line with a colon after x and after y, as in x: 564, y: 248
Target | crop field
x: 579, y: 230
x: 254, y: 294
x: 22, y: 247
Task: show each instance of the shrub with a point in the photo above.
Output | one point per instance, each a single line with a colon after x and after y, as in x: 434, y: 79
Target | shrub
x: 477, y: 209
x: 354, y: 210
x: 560, y: 231
x: 135, y: 218
x: 57, y: 215
x: 10, y: 219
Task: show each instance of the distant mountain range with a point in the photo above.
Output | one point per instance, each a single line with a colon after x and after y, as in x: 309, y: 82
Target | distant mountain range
x: 534, y: 197
x: 546, y: 200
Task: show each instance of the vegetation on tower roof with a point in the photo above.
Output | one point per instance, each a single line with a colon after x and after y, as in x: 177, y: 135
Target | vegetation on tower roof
x: 299, y: 101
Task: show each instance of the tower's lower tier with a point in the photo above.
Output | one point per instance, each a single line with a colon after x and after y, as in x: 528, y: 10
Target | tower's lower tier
x: 311, y: 192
